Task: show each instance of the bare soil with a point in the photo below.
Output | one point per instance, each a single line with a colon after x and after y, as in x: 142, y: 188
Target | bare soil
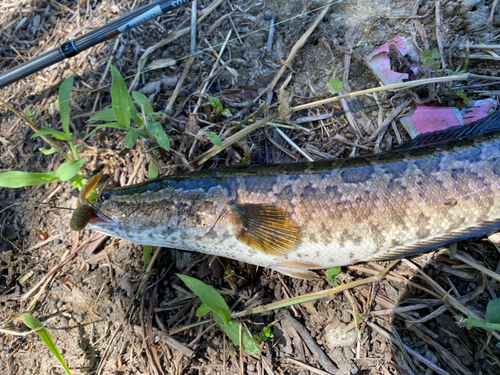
x: 107, y: 315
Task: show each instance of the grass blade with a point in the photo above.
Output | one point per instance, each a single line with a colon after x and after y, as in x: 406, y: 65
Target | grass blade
x: 34, y: 323
x: 64, y: 92
x: 68, y: 170
x: 120, y: 98
x: 20, y: 179
x: 232, y: 331
x: 209, y: 296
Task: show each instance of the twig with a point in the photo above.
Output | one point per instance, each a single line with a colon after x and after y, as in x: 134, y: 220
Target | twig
x: 307, y: 367
x: 214, y: 68
x: 55, y: 269
x: 311, y: 343
x: 294, y: 145
x: 175, y: 35
x: 342, y: 139
x: 438, y: 31
x: 316, y: 295
x: 413, y: 353
x: 300, y: 43
x: 50, y: 141
x: 229, y: 141
x: 385, y: 125
x: 420, y: 82
x: 15, y: 333
x: 188, y: 63
x: 462, y: 256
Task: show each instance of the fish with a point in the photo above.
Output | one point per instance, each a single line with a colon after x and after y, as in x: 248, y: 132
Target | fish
x: 435, y: 190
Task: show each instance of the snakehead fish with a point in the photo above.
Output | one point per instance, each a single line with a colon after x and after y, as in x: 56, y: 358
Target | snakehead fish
x: 440, y: 188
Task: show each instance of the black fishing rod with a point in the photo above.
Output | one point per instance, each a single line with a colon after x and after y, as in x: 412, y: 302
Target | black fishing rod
x: 74, y: 47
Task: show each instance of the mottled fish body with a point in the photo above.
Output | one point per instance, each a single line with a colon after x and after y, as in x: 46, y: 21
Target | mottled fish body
x: 440, y: 188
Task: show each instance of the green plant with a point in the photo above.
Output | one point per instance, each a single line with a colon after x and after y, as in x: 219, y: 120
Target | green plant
x: 431, y: 59
x: 229, y: 272
x: 213, y: 302
x: 35, y: 324
x: 68, y: 171
x: 218, y: 109
x: 335, y: 85
x: 123, y: 110
x: 214, y: 138
x: 331, y: 273
x: 491, y: 319
x: 264, y: 336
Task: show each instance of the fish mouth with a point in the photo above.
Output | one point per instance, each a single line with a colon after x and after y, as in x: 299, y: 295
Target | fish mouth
x: 98, y: 219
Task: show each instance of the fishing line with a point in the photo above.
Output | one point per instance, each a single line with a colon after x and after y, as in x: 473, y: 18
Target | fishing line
x: 36, y: 203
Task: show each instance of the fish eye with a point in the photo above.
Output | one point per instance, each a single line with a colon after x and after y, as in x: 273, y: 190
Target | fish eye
x: 105, y: 195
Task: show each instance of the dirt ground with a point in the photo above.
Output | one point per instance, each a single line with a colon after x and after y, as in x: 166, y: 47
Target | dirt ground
x: 108, y: 315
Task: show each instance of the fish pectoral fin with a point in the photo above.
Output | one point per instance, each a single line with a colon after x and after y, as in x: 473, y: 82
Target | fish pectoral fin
x: 267, y: 228
x: 298, y: 273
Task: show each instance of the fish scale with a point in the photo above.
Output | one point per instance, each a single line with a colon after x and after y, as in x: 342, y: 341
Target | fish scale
x: 303, y: 216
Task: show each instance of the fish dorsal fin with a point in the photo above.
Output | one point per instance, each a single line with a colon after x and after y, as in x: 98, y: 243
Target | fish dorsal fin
x: 486, y: 125
x: 267, y: 228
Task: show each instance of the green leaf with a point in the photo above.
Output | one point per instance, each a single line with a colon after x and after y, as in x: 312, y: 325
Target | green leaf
x: 105, y: 115
x: 146, y: 254
x: 450, y: 72
x: 153, y: 127
x: 429, y: 62
x: 426, y: 54
x: 46, y: 151
x: 120, y: 98
x: 203, y: 310
x: 214, y: 138
x: 131, y: 138
x: 110, y: 125
x: 163, y: 139
x: 331, y: 273
x: 493, y: 311
x: 68, y: 170
x: 215, y: 102
x: 232, y: 331
x: 78, y: 182
x: 435, y: 54
x: 152, y: 171
x: 64, y: 92
x: 335, y: 85
x: 55, y: 133
x: 209, y: 296
x: 135, y: 115
x: 34, y: 323
x: 226, y: 112
x: 21, y: 179
x: 142, y: 101
x: 28, y: 114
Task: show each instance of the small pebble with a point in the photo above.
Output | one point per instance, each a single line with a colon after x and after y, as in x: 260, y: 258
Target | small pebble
x: 58, y: 241
x: 341, y: 40
x: 79, y: 319
x: 105, y: 269
x: 272, y: 285
x: 59, y: 304
x: 109, y: 310
x: 251, y: 367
